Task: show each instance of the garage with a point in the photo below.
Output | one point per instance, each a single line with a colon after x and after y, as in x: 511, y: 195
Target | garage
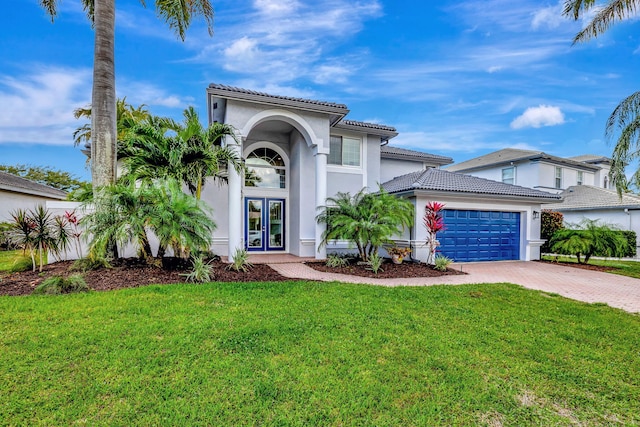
x: 473, y: 235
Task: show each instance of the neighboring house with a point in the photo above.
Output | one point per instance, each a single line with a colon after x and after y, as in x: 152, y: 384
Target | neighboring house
x: 301, y: 151
x: 536, y: 169
x: 20, y: 193
x: 585, y: 201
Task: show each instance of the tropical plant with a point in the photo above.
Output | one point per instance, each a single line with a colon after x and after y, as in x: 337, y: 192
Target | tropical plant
x: 366, y: 220
x: 550, y: 222
x: 201, y: 271
x: 434, y: 223
x: 623, y: 124
x: 57, y: 285
x: 240, y: 261
x: 36, y: 231
x: 177, y: 14
x: 442, y: 262
x: 375, y: 263
x: 588, y: 238
x: 92, y: 261
x: 336, y: 261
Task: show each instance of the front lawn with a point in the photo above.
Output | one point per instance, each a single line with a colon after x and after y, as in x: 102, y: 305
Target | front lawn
x: 623, y: 268
x: 12, y: 261
x: 308, y: 353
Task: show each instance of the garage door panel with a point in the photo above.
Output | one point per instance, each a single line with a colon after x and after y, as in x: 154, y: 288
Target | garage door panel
x: 480, y: 235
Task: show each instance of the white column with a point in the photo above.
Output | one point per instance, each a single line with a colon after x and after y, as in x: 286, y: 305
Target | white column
x: 321, y: 197
x: 235, y: 203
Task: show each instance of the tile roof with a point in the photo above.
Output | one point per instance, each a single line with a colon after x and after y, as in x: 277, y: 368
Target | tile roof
x: 396, y: 152
x: 442, y: 180
x: 368, y: 125
x: 242, y: 91
x: 583, y: 197
x: 512, y: 155
x: 590, y: 158
x: 22, y: 185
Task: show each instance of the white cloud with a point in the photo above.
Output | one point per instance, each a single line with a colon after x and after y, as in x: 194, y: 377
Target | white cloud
x: 549, y: 17
x: 494, y: 69
x: 38, y: 106
x: 543, y: 115
x: 279, y: 7
x: 145, y: 93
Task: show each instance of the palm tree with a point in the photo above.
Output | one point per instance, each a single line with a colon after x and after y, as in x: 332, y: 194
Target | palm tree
x: 177, y: 14
x: 624, y: 122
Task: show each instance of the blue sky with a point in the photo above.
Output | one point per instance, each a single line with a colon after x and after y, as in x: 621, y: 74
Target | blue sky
x: 455, y: 78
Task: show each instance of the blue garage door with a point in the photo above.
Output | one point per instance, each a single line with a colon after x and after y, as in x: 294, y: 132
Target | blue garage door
x: 480, y: 235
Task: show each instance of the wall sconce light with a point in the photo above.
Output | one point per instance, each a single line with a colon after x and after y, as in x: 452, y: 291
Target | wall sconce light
x: 536, y: 214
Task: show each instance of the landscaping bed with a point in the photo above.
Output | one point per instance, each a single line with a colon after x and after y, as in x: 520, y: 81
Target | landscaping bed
x: 128, y: 273
x: 389, y: 270
x: 574, y: 264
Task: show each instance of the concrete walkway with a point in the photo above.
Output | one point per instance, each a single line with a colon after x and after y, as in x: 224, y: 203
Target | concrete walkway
x: 582, y: 285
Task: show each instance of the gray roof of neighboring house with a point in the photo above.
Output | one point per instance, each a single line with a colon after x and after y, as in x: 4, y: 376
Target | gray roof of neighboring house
x: 585, y: 197
x: 389, y: 152
x: 252, y: 95
x: 590, y: 158
x: 18, y: 184
x: 441, y: 180
x: 508, y: 155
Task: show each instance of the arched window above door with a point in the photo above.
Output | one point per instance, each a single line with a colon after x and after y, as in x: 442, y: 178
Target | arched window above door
x: 265, y: 168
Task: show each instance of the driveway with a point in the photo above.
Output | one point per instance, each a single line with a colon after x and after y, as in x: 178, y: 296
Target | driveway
x: 575, y: 283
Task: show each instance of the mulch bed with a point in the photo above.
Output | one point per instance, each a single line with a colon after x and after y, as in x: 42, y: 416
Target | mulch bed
x: 129, y: 273
x: 389, y: 270
x: 582, y: 266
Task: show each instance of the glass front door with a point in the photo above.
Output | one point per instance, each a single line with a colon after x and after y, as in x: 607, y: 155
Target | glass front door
x: 264, y: 224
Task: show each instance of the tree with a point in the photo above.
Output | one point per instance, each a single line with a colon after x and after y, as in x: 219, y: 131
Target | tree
x: 365, y: 220
x: 177, y: 14
x: 623, y: 124
x: 188, y: 152
x: 434, y: 223
x: 589, y: 238
x: 45, y: 175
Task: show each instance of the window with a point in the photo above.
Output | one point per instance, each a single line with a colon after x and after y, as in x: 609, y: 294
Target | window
x: 344, y: 151
x: 265, y: 168
x: 558, y: 177
x: 580, y: 177
x: 606, y: 182
x: 508, y: 175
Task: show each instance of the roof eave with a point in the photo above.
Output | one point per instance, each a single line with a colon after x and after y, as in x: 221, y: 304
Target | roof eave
x: 21, y: 190
x: 466, y: 194
x: 430, y: 160
x: 386, y: 134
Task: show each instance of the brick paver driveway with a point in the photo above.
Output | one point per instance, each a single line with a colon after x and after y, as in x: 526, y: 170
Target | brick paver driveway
x: 583, y: 285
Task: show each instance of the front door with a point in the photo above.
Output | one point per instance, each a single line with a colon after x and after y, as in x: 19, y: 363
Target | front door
x: 264, y: 224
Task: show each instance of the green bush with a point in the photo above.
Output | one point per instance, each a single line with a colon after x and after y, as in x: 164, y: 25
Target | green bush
x: 201, y: 272
x: 590, y: 238
x: 240, y: 261
x: 56, y: 285
x: 336, y: 261
x: 631, y: 240
x: 441, y: 262
x: 91, y: 262
x: 550, y: 222
x: 375, y: 263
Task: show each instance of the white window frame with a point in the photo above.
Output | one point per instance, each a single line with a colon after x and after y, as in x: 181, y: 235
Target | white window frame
x: 580, y: 178
x: 342, y: 164
x: 513, y: 175
x: 558, y: 178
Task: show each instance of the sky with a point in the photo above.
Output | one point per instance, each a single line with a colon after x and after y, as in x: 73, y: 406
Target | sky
x: 459, y: 79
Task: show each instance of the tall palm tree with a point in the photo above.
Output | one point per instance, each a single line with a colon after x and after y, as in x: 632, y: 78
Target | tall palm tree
x: 624, y: 122
x: 177, y: 14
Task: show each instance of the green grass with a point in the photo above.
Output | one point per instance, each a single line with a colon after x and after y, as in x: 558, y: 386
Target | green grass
x: 325, y: 354
x: 623, y: 268
x: 12, y: 261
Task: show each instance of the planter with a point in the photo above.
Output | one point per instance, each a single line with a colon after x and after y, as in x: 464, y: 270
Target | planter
x: 396, y: 259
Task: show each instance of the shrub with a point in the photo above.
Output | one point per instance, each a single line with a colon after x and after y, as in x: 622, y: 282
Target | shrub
x: 202, y: 271
x: 550, y: 222
x: 240, y: 261
x: 441, y: 262
x: 590, y: 238
x: 91, y: 262
x: 336, y: 261
x: 375, y: 263
x: 56, y: 285
x: 631, y: 240
x: 367, y: 221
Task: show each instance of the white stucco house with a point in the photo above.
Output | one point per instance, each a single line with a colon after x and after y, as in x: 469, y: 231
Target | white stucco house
x: 301, y: 151
x: 20, y: 193
x: 539, y: 170
x: 585, y: 201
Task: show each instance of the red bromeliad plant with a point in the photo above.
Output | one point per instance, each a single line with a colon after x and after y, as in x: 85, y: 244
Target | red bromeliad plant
x: 434, y: 223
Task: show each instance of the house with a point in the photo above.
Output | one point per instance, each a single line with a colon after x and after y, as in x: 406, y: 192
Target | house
x: 536, y: 169
x: 20, y: 193
x: 301, y: 151
x: 595, y: 203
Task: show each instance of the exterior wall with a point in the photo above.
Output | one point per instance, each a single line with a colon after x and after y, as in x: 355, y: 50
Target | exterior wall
x: 529, y: 228
x: 216, y: 196
x: 372, y: 178
x: 629, y: 220
x: 601, y: 176
x: 11, y: 201
x: 391, y: 168
x: 302, y: 195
